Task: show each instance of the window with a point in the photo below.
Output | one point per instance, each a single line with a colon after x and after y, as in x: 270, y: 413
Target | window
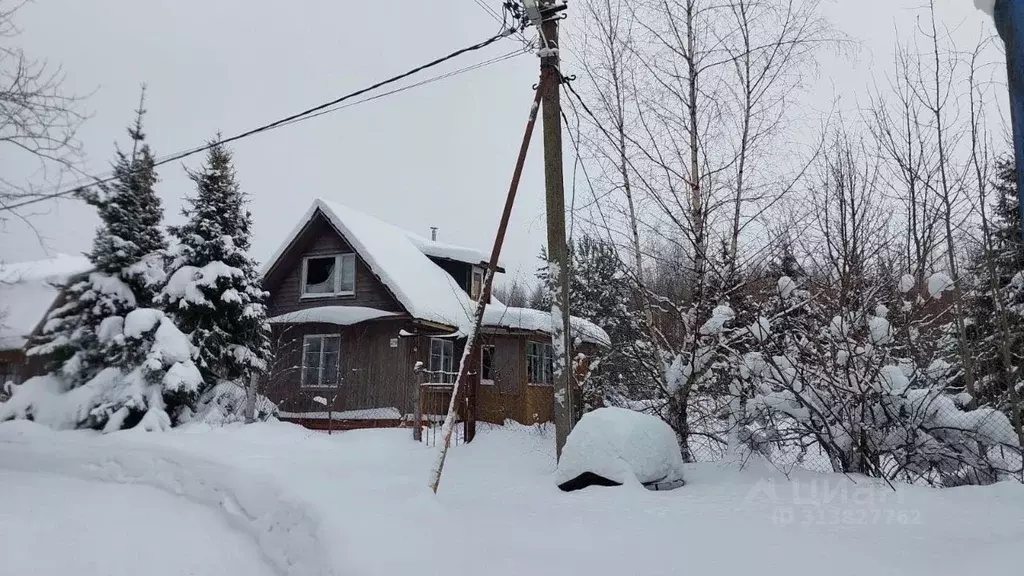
x: 487, y: 364
x: 477, y: 283
x: 329, y: 276
x: 321, y: 361
x: 540, y: 363
x: 8, y: 373
x: 442, y: 351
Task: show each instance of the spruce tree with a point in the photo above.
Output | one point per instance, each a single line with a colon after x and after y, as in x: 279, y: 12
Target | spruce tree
x: 600, y: 291
x: 214, y: 292
x: 127, y: 269
x: 1001, y: 267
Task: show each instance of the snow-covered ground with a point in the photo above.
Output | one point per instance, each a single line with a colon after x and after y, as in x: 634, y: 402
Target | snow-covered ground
x: 356, y: 503
x: 57, y: 525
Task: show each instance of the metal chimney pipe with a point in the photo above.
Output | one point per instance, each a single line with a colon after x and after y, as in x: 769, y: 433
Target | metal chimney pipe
x: 433, y: 233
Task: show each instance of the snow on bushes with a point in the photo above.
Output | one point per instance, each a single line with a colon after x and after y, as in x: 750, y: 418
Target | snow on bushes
x: 225, y: 403
x: 838, y: 385
x: 164, y: 381
x: 614, y: 446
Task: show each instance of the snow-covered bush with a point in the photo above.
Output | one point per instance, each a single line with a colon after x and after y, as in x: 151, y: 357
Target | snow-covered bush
x: 836, y: 387
x: 150, y: 396
x: 226, y: 403
x: 618, y: 446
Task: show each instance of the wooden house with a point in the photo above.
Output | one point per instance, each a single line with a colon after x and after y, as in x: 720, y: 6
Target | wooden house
x: 28, y: 291
x: 356, y: 303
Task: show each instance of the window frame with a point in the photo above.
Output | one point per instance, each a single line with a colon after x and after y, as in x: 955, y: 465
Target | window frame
x: 448, y: 345
x: 320, y: 368
x: 547, y: 357
x: 475, y: 290
x: 341, y: 260
x: 483, y: 349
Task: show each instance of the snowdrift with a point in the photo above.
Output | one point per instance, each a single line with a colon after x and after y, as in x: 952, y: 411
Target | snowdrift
x: 286, y: 529
x: 616, y: 446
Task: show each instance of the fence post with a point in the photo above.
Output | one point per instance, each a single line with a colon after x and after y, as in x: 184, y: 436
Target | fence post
x: 250, y: 398
x: 417, y: 411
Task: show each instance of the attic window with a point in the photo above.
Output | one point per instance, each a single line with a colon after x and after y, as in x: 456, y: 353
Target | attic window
x: 476, y: 283
x: 324, y: 276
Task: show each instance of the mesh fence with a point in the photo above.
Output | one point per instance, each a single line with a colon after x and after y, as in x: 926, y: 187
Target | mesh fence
x: 919, y: 437
x: 916, y: 436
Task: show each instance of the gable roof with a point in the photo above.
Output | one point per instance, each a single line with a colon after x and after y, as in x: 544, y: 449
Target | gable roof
x: 401, y: 260
x: 28, y: 291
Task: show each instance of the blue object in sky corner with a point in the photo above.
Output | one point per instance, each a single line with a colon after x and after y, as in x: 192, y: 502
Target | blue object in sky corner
x: 1009, y: 17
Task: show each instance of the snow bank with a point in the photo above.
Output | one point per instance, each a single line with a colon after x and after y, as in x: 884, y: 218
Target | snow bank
x: 338, y: 315
x: 27, y: 290
x: 285, y: 529
x: 622, y: 446
x: 44, y: 399
x: 359, y: 498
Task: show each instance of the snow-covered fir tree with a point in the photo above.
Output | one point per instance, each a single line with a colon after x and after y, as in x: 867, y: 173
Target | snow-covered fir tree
x: 214, y: 293
x: 120, y: 362
x: 599, y: 290
x: 997, y: 275
x: 127, y: 274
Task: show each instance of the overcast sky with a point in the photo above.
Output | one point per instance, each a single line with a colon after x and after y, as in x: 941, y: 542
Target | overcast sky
x: 439, y: 155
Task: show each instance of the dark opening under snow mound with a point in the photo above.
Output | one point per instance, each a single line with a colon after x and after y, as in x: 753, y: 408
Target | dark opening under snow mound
x: 615, y: 446
x: 586, y: 480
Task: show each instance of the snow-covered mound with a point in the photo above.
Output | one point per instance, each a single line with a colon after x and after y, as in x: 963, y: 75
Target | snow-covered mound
x: 614, y: 446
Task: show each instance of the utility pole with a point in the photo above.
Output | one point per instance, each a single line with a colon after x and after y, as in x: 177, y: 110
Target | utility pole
x: 558, y: 260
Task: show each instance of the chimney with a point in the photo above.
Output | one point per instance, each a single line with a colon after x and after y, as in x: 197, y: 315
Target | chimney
x: 433, y: 233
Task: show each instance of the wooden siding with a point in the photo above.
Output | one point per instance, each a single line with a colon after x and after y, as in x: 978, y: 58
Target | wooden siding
x: 320, y: 238
x: 373, y: 374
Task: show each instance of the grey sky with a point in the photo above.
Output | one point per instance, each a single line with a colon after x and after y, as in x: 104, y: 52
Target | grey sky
x: 439, y: 155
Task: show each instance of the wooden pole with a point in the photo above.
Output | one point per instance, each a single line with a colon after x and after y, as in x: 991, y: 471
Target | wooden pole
x: 417, y: 410
x: 485, y: 294
x: 558, y: 260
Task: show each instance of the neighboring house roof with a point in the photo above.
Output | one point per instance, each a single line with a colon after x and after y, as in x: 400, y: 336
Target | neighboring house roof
x: 28, y: 291
x: 401, y: 261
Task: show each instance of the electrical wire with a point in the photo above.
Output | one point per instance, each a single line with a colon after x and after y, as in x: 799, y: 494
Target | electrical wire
x: 309, y: 112
x: 477, y: 66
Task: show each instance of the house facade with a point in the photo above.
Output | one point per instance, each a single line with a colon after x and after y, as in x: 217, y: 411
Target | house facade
x: 357, y: 303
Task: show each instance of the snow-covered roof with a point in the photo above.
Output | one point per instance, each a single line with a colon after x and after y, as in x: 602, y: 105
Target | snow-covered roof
x: 436, y: 249
x: 400, y: 260
x: 339, y: 315
x: 27, y: 290
x: 497, y: 315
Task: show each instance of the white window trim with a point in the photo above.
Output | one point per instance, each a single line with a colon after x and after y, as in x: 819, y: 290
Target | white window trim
x: 320, y: 372
x: 540, y: 384
x: 339, y: 263
x: 488, y: 381
x: 430, y: 354
x: 472, y: 273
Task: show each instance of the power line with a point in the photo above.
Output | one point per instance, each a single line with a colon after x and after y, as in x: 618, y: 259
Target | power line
x: 477, y: 66
x: 105, y: 176
x: 309, y: 112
